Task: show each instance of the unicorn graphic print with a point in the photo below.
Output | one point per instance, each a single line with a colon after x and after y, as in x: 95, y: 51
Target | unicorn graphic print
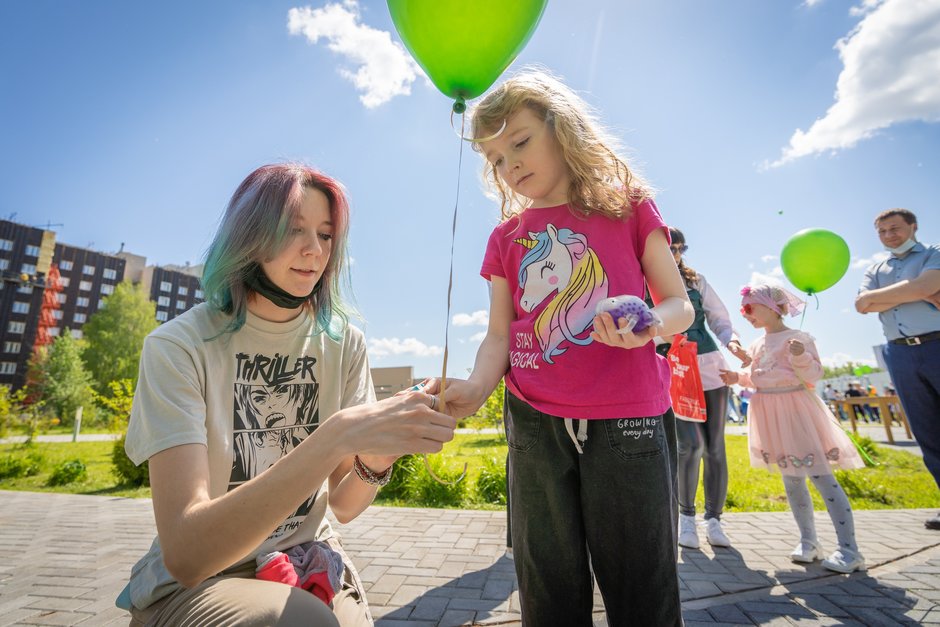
x: 563, y: 270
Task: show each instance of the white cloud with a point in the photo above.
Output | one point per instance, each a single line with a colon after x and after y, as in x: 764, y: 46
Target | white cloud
x: 478, y: 337
x: 811, y: 3
x: 759, y: 278
x: 479, y: 318
x: 889, y: 76
x: 385, y: 346
x: 768, y: 258
x: 383, y: 68
x: 840, y: 359
x: 862, y: 263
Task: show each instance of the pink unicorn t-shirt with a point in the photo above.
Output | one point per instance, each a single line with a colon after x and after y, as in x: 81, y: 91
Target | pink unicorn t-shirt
x: 558, y: 267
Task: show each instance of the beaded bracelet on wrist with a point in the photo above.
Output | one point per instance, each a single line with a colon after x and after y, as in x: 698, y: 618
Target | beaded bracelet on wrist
x: 369, y: 476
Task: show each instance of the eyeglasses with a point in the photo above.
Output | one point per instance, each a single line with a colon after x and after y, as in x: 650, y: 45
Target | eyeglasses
x: 678, y: 248
x: 747, y: 309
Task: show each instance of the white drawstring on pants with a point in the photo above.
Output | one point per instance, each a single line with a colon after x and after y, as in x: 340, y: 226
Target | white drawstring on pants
x: 582, y: 433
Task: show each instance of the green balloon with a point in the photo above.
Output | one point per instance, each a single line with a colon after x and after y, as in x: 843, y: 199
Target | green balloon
x: 465, y: 45
x: 814, y: 260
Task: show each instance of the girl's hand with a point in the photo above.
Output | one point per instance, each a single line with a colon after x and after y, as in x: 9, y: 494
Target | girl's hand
x: 461, y: 398
x: 796, y: 347
x: 738, y: 351
x: 606, y: 332
x: 729, y: 377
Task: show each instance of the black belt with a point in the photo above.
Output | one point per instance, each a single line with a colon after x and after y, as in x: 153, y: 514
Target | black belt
x: 914, y: 340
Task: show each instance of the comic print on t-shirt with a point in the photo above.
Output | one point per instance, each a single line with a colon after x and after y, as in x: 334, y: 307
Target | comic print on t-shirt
x: 276, y: 407
x: 562, y: 271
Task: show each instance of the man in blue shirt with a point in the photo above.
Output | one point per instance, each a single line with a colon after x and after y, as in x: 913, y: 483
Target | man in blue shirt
x: 904, y: 290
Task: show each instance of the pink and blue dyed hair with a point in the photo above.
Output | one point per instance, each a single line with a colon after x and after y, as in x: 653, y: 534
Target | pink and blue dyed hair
x: 255, y: 228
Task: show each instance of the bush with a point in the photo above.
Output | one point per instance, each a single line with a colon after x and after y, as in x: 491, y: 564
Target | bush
x: 68, y: 472
x: 432, y: 493
x: 860, y: 486
x: 13, y: 466
x: 124, y: 468
x: 402, y: 472
x: 867, y: 447
x: 491, y: 482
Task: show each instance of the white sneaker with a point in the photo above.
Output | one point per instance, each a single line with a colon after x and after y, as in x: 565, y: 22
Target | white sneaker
x: 844, y: 561
x: 806, y: 552
x: 714, y: 533
x: 688, y: 534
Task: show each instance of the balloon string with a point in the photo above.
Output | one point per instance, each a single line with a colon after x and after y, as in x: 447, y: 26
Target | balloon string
x: 450, y: 288
x: 460, y: 133
x: 803, y: 316
x: 855, y: 441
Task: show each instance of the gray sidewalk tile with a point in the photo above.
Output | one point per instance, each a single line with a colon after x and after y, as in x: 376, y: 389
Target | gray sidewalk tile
x: 873, y: 618
x: 728, y: 614
x: 425, y: 567
x: 455, y: 618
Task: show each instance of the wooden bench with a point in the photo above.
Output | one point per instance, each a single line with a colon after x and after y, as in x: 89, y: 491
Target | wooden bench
x: 883, y: 404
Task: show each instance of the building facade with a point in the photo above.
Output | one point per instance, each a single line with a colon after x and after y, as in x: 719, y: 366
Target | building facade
x: 25, y: 257
x: 87, y: 278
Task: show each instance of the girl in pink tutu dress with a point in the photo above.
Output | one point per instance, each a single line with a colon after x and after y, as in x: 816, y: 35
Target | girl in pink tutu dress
x: 791, y: 431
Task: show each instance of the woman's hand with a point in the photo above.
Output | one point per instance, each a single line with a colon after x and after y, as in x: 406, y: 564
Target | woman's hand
x: 382, y: 432
x: 606, y: 332
x: 729, y: 377
x: 796, y: 347
x: 738, y: 351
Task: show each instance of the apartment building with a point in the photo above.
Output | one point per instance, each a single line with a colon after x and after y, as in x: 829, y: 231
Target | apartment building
x: 86, y: 278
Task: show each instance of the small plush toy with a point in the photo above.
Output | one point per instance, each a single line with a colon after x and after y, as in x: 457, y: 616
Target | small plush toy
x: 638, y: 315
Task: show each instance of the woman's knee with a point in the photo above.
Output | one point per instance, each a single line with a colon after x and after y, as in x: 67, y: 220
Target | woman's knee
x: 691, y: 449
x: 254, y: 602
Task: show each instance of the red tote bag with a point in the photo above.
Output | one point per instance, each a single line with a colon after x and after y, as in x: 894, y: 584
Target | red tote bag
x: 685, y: 386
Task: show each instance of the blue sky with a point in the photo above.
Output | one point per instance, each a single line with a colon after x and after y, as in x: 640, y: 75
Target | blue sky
x: 133, y: 122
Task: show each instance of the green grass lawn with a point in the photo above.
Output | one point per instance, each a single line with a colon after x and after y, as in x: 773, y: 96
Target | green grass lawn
x: 97, y: 457
x: 898, y: 481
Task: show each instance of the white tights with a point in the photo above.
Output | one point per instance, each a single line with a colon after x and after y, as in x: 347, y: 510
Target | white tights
x: 837, y: 504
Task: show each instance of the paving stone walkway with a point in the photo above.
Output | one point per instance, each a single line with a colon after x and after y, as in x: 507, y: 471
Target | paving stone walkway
x: 64, y: 558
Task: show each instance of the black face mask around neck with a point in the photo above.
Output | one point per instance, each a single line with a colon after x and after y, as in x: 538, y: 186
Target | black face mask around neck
x: 258, y: 282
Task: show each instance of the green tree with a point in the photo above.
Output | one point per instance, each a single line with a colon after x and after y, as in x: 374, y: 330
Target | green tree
x: 64, y: 384
x: 848, y: 368
x: 491, y: 413
x: 11, y: 406
x: 118, y: 405
x: 115, y: 334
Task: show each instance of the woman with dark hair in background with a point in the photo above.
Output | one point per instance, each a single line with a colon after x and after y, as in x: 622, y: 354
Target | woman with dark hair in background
x: 705, y: 441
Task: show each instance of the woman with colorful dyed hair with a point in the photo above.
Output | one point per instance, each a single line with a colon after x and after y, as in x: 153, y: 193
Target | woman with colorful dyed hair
x: 256, y: 410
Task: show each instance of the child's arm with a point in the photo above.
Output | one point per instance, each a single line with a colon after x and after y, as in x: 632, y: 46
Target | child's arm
x: 740, y: 377
x: 666, y: 286
x: 668, y: 292
x: 465, y: 397
x: 805, y: 360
